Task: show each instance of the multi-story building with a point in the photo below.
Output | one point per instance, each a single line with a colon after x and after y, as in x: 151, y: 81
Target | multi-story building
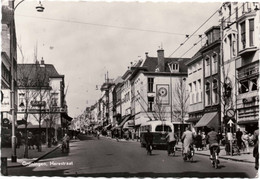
x: 41, y: 96
x: 106, y: 103
x: 240, y: 24
x: 117, y: 107
x: 154, y: 88
x: 195, y: 83
x: 8, y: 66
x: 211, y: 80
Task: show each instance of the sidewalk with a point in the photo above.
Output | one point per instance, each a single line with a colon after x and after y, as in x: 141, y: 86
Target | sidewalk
x: 243, y: 157
x: 34, y: 155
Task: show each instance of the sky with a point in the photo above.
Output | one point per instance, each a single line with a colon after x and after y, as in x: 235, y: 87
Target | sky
x: 84, y: 39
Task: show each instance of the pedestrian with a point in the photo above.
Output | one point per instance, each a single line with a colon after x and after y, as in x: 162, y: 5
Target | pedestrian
x: 220, y: 137
x: 19, y: 139
x: 30, y: 140
x: 148, y: 137
x: 203, y: 137
x: 43, y: 138
x: 255, y: 151
x: 245, y: 139
x: 187, y: 140
x: 198, y: 141
x: 171, y: 141
x: 239, y: 138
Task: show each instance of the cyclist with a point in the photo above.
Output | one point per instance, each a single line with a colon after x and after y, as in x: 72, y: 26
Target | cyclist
x: 212, y: 139
x: 148, y: 137
x: 187, y: 140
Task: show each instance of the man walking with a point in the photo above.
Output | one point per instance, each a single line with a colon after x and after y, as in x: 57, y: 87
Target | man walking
x: 239, y: 138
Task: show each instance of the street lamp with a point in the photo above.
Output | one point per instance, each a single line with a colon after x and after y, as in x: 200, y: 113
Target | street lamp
x: 12, y: 91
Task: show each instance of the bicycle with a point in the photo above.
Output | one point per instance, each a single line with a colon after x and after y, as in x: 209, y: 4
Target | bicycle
x: 171, y: 149
x: 214, y: 160
x: 190, y: 153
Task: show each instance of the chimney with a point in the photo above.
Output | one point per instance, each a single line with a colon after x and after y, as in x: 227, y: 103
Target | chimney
x: 161, y: 64
x: 146, y: 54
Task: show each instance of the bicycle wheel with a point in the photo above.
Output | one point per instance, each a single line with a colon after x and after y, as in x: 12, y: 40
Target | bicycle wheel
x: 215, y: 160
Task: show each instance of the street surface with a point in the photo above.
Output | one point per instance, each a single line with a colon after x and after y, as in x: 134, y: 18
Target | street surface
x: 109, y: 158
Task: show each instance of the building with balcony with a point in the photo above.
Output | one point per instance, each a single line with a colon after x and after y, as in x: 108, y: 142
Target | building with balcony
x: 240, y: 22
x: 211, y: 80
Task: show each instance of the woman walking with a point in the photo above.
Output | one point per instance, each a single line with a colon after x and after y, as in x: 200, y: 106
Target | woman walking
x: 245, y: 139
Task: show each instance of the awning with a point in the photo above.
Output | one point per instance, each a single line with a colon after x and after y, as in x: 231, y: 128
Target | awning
x: 209, y: 120
x: 193, y: 120
x: 129, y: 124
x: 124, y: 121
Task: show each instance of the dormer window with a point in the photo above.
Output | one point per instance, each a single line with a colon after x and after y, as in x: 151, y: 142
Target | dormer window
x: 174, y: 67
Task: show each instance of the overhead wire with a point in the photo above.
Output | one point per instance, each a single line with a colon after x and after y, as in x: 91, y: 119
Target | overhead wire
x: 103, y: 25
x: 194, y: 32
x: 205, y: 36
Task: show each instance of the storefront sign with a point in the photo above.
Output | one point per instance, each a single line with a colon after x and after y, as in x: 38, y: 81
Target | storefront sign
x: 38, y: 103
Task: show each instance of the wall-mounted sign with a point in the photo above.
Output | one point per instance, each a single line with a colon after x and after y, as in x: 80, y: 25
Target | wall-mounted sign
x: 5, y: 104
x: 162, y: 93
x: 38, y: 103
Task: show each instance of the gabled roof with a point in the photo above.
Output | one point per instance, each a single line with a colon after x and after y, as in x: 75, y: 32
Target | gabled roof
x: 151, y: 63
x: 33, y: 75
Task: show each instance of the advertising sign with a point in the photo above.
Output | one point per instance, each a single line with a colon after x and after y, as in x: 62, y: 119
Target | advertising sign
x: 6, y: 99
x: 162, y: 91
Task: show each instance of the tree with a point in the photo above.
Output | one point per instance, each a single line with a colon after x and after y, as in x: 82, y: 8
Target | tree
x: 41, y: 83
x: 51, y: 114
x: 26, y: 95
x: 180, y: 101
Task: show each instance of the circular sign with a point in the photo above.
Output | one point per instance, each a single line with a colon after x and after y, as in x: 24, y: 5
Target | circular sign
x: 230, y: 113
x: 162, y: 91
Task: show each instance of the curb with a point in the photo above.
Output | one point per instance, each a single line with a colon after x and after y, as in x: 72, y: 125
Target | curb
x: 225, y: 158
x: 36, y: 160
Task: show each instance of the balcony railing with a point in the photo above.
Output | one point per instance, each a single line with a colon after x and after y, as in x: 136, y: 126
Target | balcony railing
x: 247, y: 72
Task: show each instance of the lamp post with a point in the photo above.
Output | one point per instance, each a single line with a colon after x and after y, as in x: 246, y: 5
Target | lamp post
x: 13, y: 87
